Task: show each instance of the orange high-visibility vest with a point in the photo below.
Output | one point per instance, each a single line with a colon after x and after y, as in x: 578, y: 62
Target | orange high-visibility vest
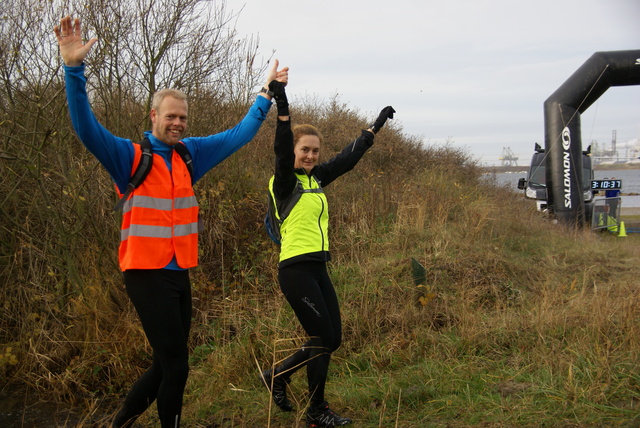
x: 160, y: 219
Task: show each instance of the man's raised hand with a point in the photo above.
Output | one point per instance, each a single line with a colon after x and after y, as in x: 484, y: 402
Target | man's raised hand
x: 69, y: 35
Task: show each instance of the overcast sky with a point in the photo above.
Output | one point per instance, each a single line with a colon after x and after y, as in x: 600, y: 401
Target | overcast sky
x: 475, y: 73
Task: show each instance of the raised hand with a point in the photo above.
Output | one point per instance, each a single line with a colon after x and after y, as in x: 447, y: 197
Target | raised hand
x: 281, y: 75
x: 69, y: 35
x: 282, y: 104
x: 386, y: 113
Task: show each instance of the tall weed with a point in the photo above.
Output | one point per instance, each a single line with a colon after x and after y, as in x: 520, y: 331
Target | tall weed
x: 516, y: 316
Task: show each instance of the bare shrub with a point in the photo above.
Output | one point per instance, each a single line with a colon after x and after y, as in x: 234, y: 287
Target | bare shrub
x: 65, y: 314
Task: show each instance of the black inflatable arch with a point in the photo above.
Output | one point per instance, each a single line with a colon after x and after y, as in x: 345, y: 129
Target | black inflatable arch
x: 562, y: 135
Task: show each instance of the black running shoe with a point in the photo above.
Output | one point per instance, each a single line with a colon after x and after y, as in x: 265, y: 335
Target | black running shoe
x: 278, y: 387
x: 323, y: 416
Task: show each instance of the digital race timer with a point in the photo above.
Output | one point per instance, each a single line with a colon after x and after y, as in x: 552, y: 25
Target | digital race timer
x: 606, y: 184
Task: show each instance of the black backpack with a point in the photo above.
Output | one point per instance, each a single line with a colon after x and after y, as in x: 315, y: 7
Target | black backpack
x: 144, y: 167
x: 271, y: 222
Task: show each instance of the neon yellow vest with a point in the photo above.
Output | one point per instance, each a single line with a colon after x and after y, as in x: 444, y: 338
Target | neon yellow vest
x: 305, y: 229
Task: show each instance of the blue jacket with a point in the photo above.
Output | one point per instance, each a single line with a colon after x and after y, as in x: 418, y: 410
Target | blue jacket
x: 116, y: 154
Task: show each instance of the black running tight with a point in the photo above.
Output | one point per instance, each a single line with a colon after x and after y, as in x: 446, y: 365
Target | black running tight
x: 308, y: 289
x: 162, y: 298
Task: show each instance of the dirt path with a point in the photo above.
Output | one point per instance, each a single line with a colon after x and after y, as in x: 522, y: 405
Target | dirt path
x: 24, y: 408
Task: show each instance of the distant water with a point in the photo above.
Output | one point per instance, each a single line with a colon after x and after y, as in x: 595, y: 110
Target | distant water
x: 630, y: 183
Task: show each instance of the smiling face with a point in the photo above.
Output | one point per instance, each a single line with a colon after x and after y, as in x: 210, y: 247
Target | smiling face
x: 169, y: 120
x: 307, y: 150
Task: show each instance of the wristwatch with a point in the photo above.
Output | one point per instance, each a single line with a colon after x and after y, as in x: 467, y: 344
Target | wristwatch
x: 264, y: 90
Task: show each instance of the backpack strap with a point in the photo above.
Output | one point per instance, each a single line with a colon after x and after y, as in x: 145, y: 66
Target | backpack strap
x: 186, y: 157
x: 141, y: 172
x: 284, y: 208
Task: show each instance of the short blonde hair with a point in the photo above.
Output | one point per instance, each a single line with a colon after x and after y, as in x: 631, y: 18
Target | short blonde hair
x: 304, y: 129
x: 163, y: 93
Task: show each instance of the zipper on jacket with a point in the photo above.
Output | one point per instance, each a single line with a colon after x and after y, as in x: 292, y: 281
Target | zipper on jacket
x: 320, y: 224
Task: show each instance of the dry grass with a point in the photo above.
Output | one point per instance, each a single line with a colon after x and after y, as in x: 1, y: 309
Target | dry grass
x: 518, y: 320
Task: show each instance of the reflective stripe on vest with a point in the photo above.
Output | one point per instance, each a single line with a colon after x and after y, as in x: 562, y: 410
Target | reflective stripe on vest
x: 159, y: 204
x: 160, y: 218
x: 146, y: 231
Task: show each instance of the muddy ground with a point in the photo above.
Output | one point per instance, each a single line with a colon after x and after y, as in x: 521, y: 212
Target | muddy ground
x: 21, y: 407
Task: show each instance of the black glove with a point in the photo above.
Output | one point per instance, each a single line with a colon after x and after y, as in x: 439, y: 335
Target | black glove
x: 386, y: 113
x: 281, y: 97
